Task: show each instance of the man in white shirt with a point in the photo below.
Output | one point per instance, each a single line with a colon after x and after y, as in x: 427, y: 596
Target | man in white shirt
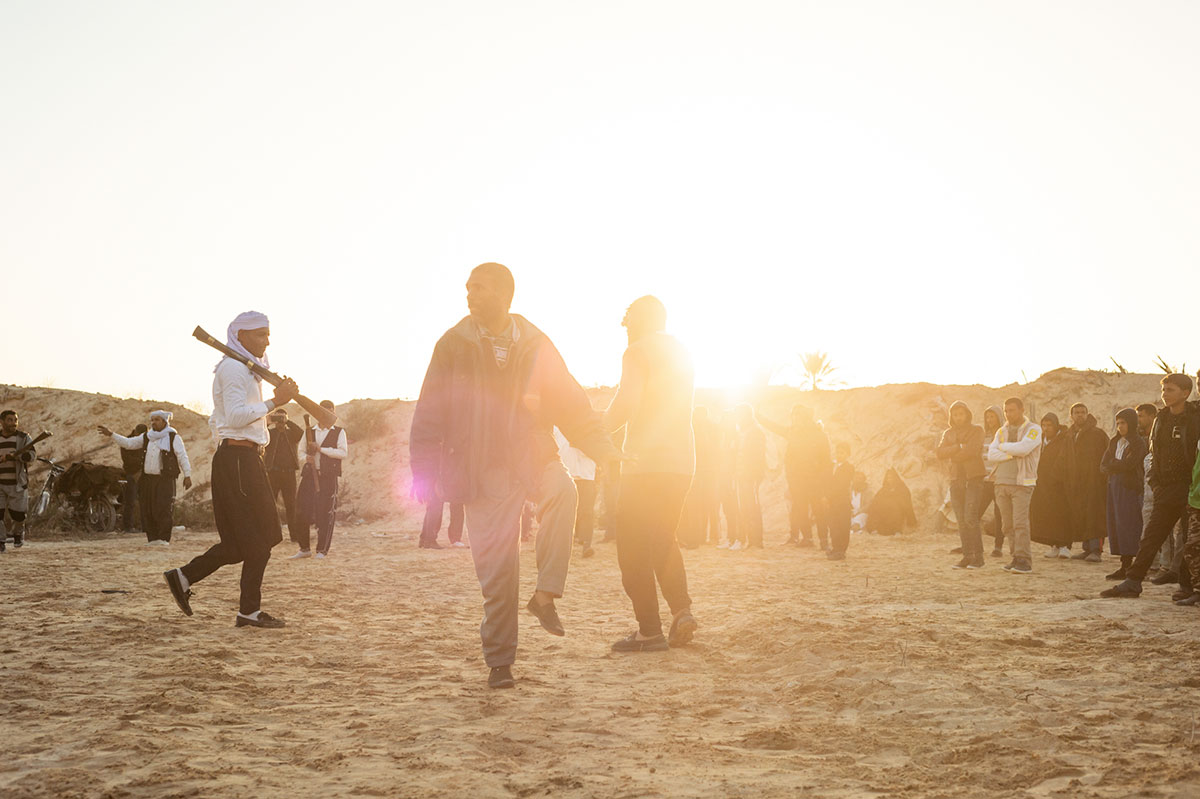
x: 243, y: 504
x: 327, y: 452
x: 165, y: 458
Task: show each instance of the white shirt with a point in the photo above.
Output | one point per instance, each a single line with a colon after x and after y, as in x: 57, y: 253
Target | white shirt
x: 319, y: 434
x: 238, y: 407
x: 154, y: 451
x: 579, y: 466
x: 1122, y: 445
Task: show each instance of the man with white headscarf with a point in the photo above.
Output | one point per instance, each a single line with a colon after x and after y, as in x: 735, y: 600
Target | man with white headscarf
x: 243, y: 504
x: 165, y: 458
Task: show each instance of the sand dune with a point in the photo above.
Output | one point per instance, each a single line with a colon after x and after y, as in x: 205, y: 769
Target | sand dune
x: 886, y: 675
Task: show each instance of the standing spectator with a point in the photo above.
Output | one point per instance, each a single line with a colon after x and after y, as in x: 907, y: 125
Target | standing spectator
x: 432, y: 524
x: 1168, y: 563
x: 1191, y: 553
x: 327, y: 451
x: 727, y: 456
x: 1014, y: 454
x: 132, y: 461
x: 700, y: 522
x: 749, y: 471
x: 282, y: 464
x: 1173, y: 440
x: 1049, y: 520
x: 838, y: 507
x: 1087, y: 486
x: 1124, y: 465
x: 654, y: 405
x: 14, y: 478
x: 960, y: 446
x: 164, y: 459
x: 993, y: 418
x: 583, y: 471
x: 806, y: 466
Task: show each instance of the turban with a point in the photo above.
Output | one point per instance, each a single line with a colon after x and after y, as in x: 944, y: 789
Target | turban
x: 250, y: 320
x: 164, y: 415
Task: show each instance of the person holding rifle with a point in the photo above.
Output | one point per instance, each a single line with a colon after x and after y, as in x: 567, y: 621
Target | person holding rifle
x: 243, y: 505
x: 16, y: 453
x: 163, y: 459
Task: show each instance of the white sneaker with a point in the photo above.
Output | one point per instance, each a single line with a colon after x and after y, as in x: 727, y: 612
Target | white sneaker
x: 304, y: 553
x: 735, y: 546
x: 320, y: 556
x: 459, y: 545
x: 1063, y: 552
x: 1052, y: 552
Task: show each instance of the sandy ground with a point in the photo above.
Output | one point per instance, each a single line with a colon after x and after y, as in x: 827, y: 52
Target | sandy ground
x: 886, y: 675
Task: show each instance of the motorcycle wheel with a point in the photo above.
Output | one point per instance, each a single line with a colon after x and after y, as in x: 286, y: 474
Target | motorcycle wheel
x: 100, y: 516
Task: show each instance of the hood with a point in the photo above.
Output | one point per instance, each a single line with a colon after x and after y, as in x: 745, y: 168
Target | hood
x: 950, y: 412
x: 1131, y: 420
x: 996, y: 409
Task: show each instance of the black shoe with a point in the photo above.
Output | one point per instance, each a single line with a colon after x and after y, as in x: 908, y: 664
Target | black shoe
x: 956, y: 551
x: 547, y: 614
x: 588, y: 552
x: 965, y: 563
x: 501, y: 677
x: 997, y: 553
x: 1019, y: 566
x: 835, y: 555
x: 182, y: 597
x: 1165, y: 578
x: 1129, y: 589
x: 430, y: 545
x: 1, y: 543
x: 18, y: 540
x: 264, y: 620
x: 631, y: 644
x: 682, y: 629
x: 1119, y: 574
x: 1188, y: 601
x: 1182, y: 593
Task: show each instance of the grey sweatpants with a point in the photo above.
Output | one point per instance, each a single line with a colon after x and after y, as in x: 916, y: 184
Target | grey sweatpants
x: 1013, y: 502
x: 494, y: 519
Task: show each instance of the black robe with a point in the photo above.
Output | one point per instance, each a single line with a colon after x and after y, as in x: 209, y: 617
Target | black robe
x: 1087, y: 486
x: 1049, y: 519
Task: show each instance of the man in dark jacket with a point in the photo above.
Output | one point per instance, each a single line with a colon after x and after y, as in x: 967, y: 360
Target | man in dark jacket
x: 1087, y: 486
x: 962, y: 447
x: 282, y: 464
x: 1173, y: 443
x: 482, y: 435
x: 807, y: 467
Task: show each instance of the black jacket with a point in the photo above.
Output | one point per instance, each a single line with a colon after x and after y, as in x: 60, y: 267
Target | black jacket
x: 1160, y: 432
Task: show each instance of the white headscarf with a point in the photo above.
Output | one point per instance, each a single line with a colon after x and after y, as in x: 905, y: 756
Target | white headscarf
x: 249, y: 320
x: 159, y: 435
x: 164, y: 415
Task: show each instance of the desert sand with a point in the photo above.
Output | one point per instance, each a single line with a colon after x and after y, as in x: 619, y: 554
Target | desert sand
x: 888, y: 674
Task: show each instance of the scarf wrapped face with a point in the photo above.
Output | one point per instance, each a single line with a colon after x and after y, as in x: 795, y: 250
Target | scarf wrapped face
x: 250, y: 320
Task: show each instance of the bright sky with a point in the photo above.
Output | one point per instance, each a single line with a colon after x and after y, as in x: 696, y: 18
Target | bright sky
x: 939, y: 191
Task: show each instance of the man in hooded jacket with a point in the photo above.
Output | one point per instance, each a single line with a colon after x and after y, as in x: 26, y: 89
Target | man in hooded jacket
x: 807, y: 467
x: 961, y: 446
x: 482, y: 435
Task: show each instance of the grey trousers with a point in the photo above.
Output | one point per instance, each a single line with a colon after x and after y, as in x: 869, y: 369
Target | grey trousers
x: 494, y: 519
x: 1013, y: 502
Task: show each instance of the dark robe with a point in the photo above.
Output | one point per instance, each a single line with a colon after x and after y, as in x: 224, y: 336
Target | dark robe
x: 891, y: 510
x: 1126, y: 493
x: 1049, y: 519
x: 1087, y: 486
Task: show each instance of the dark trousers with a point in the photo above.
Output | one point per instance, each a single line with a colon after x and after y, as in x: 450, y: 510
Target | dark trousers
x: 585, y: 512
x: 839, y: 524
x: 433, y: 522
x: 1191, y: 550
x: 646, y: 547
x: 247, y: 522
x: 283, y: 482
x: 129, y: 504
x: 327, y: 486
x: 156, y: 496
x: 807, y: 509
x: 727, y: 494
x: 610, y: 493
x: 750, y: 511
x: 988, y: 497
x: 965, y: 496
x: 1170, y: 503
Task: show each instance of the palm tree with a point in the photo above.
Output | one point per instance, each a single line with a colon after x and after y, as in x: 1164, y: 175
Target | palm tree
x: 816, y: 368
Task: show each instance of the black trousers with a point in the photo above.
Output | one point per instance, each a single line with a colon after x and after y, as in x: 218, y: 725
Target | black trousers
x: 247, y: 522
x: 156, y: 496
x: 283, y: 483
x: 1170, y: 503
x: 807, y: 509
x: 433, y: 522
x: 750, y: 521
x: 327, y: 486
x: 646, y: 548
x: 129, y: 504
x: 585, y: 512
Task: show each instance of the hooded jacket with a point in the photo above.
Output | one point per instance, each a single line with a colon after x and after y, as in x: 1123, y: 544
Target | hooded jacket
x: 453, y: 422
x: 1130, y: 466
x: 962, y: 446
x: 1162, y: 430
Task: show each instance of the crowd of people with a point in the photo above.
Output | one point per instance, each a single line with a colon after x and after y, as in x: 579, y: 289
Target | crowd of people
x: 1061, y: 485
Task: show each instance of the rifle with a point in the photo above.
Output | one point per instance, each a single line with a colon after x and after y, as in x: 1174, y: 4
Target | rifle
x: 325, y: 417
x: 42, y: 436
